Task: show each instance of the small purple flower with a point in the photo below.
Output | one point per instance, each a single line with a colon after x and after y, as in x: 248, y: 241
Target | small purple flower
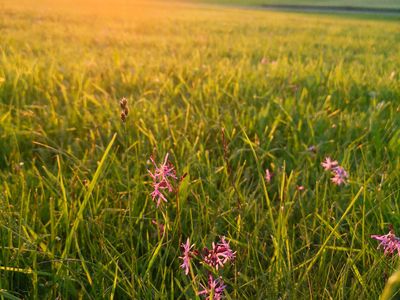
x: 220, y: 254
x: 187, y: 254
x: 329, y: 164
x: 214, y: 290
x: 160, y: 179
x: 268, y: 176
x: 389, y: 242
x: 312, y: 149
x: 340, y: 176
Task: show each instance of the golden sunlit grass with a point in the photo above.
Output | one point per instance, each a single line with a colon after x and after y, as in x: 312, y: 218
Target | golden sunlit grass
x: 76, y: 215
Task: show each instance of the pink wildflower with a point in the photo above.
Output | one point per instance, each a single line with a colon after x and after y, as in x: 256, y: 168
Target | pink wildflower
x: 160, y: 179
x: 329, y: 164
x: 220, y: 254
x: 339, y: 173
x: 268, y: 176
x: 389, y: 242
x: 300, y: 188
x: 340, y: 176
x: 187, y: 254
x: 214, y: 290
x: 158, y: 194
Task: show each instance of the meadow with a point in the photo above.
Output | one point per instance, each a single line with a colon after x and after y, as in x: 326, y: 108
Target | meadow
x: 227, y: 94
x: 393, y: 4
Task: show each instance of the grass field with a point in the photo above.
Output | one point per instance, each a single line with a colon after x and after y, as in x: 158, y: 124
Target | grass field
x: 228, y: 94
x: 353, y: 3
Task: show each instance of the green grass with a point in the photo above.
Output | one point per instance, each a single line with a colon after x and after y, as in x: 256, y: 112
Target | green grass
x: 354, y: 3
x: 76, y: 216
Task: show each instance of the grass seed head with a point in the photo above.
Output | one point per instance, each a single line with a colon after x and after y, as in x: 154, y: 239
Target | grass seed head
x: 123, y: 103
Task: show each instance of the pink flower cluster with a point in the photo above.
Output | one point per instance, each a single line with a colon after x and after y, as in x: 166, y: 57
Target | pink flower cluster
x: 339, y: 173
x: 215, y: 288
x: 216, y: 257
x: 219, y: 255
x: 161, y: 181
x: 389, y: 242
